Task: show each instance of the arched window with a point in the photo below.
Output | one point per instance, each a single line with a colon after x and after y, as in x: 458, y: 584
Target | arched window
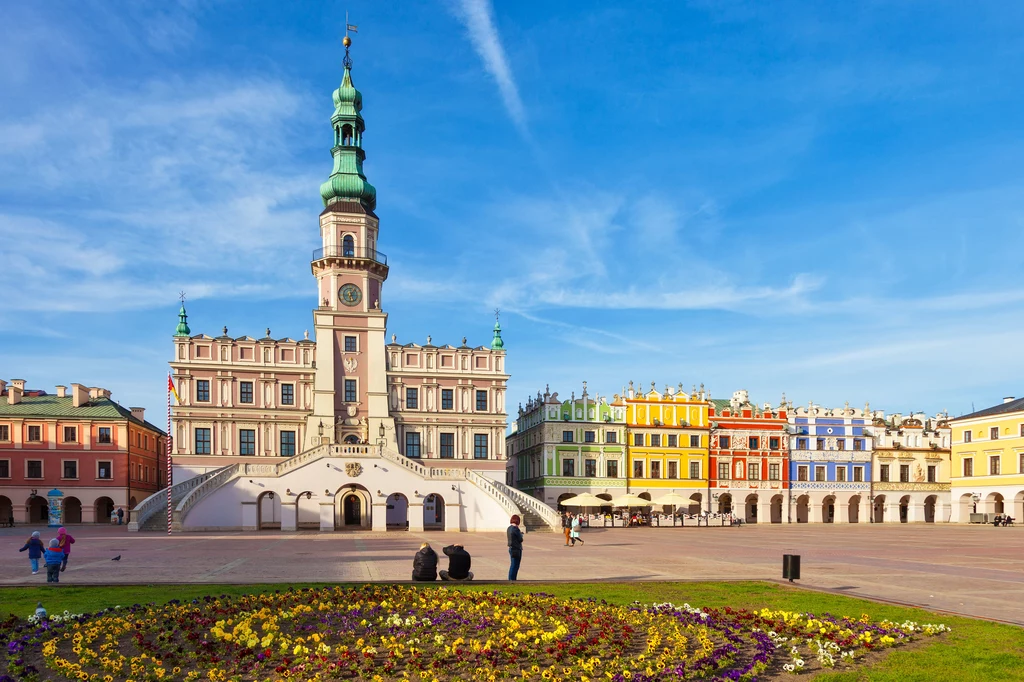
x: 346, y: 135
x: 337, y: 136
x: 348, y: 246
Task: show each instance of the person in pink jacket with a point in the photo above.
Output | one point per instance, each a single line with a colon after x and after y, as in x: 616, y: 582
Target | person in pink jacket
x: 65, y: 541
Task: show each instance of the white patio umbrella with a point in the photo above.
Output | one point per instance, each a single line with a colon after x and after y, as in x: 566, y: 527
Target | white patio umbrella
x: 629, y: 500
x: 672, y: 499
x: 584, y: 500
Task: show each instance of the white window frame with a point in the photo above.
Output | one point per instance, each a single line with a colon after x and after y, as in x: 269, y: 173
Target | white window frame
x: 78, y: 471
x: 110, y: 466
x: 42, y: 469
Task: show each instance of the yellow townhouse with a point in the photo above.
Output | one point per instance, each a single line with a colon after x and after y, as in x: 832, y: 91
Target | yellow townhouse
x: 988, y: 463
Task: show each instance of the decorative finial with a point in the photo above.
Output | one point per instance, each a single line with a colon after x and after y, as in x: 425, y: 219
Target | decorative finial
x: 225, y: 330
x: 428, y: 339
x: 347, y: 42
x: 394, y: 338
x: 547, y: 389
x: 497, y: 343
x: 268, y: 332
x: 182, y: 328
x: 305, y: 335
x: 181, y: 297
x: 463, y: 340
x: 584, y: 388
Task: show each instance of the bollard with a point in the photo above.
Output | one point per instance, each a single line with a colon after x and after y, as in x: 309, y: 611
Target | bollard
x: 791, y: 567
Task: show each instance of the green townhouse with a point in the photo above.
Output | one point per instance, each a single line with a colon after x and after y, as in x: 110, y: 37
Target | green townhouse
x: 559, y: 448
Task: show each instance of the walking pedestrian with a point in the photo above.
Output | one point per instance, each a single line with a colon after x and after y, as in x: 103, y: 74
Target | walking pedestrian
x: 515, y: 546
x: 64, y: 542
x: 424, y: 564
x: 54, y: 557
x: 120, y: 515
x: 35, y: 548
x: 574, y: 533
x: 566, y: 525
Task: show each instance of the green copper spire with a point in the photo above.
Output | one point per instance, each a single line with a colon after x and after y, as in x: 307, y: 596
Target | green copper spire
x: 347, y: 182
x: 182, y: 328
x: 496, y: 342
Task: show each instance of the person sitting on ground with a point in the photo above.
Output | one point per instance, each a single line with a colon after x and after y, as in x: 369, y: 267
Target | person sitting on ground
x: 459, y: 562
x: 424, y: 564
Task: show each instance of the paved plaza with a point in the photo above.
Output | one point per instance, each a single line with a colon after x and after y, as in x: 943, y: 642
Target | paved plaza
x: 973, y: 570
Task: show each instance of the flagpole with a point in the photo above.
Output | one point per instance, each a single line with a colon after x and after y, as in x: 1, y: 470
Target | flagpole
x: 169, y: 481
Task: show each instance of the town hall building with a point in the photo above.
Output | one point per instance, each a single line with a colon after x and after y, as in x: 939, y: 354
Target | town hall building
x: 346, y: 430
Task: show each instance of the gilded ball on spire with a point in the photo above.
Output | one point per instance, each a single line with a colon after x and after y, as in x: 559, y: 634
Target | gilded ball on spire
x: 346, y: 41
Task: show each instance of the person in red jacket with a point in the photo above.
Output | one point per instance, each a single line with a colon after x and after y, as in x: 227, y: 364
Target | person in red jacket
x: 65, y: 541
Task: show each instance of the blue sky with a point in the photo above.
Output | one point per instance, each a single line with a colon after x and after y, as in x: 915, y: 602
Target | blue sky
x: 821, y: 199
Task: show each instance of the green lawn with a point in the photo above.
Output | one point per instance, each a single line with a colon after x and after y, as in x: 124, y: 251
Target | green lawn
x: 975, y: 650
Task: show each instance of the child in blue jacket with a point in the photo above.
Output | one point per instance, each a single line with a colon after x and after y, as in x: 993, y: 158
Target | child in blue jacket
x: 54, y: 558
x: 35, y: 551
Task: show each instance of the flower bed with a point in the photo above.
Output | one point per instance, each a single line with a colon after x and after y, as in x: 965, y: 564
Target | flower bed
x: 383, y: 632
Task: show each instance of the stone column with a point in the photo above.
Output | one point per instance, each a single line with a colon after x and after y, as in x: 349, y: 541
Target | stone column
x: 892, y: 511
x: 915, y: 512
x: 415, y: 514
x: 816, y: 511
x: 380, y: 516
x: 289, y: 515
x: 866, y: 510
x: 453, y: 517
x: 327, y: 515
x: 842, y: 512
x: 764, y: 511
x: 250, y: 517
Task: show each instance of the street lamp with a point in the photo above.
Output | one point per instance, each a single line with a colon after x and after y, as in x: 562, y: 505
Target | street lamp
x: 871, y: 514
x: 381, y: 440
x: 320, y: 429
x: 975, y: 498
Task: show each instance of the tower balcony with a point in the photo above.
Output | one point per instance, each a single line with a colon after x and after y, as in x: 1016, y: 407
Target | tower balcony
x: 349, y: 252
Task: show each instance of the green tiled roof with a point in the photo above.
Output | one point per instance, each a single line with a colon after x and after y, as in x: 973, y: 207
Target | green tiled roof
x: 721, y: 403
x: 51, y: 407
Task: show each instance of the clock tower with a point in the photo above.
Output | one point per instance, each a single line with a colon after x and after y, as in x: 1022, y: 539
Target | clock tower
x: 350, y: 388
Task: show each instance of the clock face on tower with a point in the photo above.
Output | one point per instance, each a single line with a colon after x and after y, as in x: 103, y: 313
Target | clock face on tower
x: 350, y: 295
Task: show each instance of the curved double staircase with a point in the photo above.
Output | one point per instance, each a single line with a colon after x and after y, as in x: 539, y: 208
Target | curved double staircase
x: 151, y: 513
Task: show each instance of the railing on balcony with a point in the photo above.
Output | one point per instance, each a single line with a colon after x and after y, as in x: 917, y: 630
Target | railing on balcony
x: 350, y: 252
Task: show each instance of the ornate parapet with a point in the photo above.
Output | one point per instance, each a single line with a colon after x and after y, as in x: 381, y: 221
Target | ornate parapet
x: 571, y: 482
x: 830, y: 456
x: 912, y: 487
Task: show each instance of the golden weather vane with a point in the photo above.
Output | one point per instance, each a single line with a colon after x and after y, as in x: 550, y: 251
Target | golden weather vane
x: 346, y: 41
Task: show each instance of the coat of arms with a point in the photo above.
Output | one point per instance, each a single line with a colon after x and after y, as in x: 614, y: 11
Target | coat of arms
x: 353, y: 469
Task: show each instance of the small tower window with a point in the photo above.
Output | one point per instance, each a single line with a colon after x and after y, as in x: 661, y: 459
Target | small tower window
x: 337, y: 136
x: 348, y: 246
x: 346, y: 135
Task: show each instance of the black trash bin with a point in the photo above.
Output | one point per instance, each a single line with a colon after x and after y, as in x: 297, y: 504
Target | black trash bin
x: 791, y: 567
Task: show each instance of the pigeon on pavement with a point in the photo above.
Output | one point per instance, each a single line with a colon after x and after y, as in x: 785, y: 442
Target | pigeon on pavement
x: 117, y: 558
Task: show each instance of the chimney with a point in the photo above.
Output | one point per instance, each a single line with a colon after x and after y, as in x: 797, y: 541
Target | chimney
x: 139, y: 413
x: 62, y: 391
x: 79, y: 395
x: 1008, y: 399
x: 15, y: 392
x: 3, y: 385
x: 18, y: 384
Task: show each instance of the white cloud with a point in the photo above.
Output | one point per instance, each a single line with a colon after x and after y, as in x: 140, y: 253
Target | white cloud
x: 477, y: 17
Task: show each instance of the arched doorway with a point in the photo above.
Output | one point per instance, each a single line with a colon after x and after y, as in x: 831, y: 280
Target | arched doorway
x: 1018, y: 507
x: 561, y: 498
x: 352, y: 509
x: 131, y: 503
x: 104, y: 508
x: 397, y: 512
x: 853, y: 511
x: 696, y: 504
x: 994, y: 503
x: 39, y: 511
x: 268, y: 511
x: 828, y: 509
x: 750, y: 505
x: 803, y: 508
x: 725, y: 504
x: 878, y: 511
x: 905, y: 509
x: 606, y: 508
x: 6, y: 509
x: 73, y: 510
x: 433, y: 512
x: 646, y: 496
x: 929, y: 509
x: 777, y: 509
x: 307, y: 511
